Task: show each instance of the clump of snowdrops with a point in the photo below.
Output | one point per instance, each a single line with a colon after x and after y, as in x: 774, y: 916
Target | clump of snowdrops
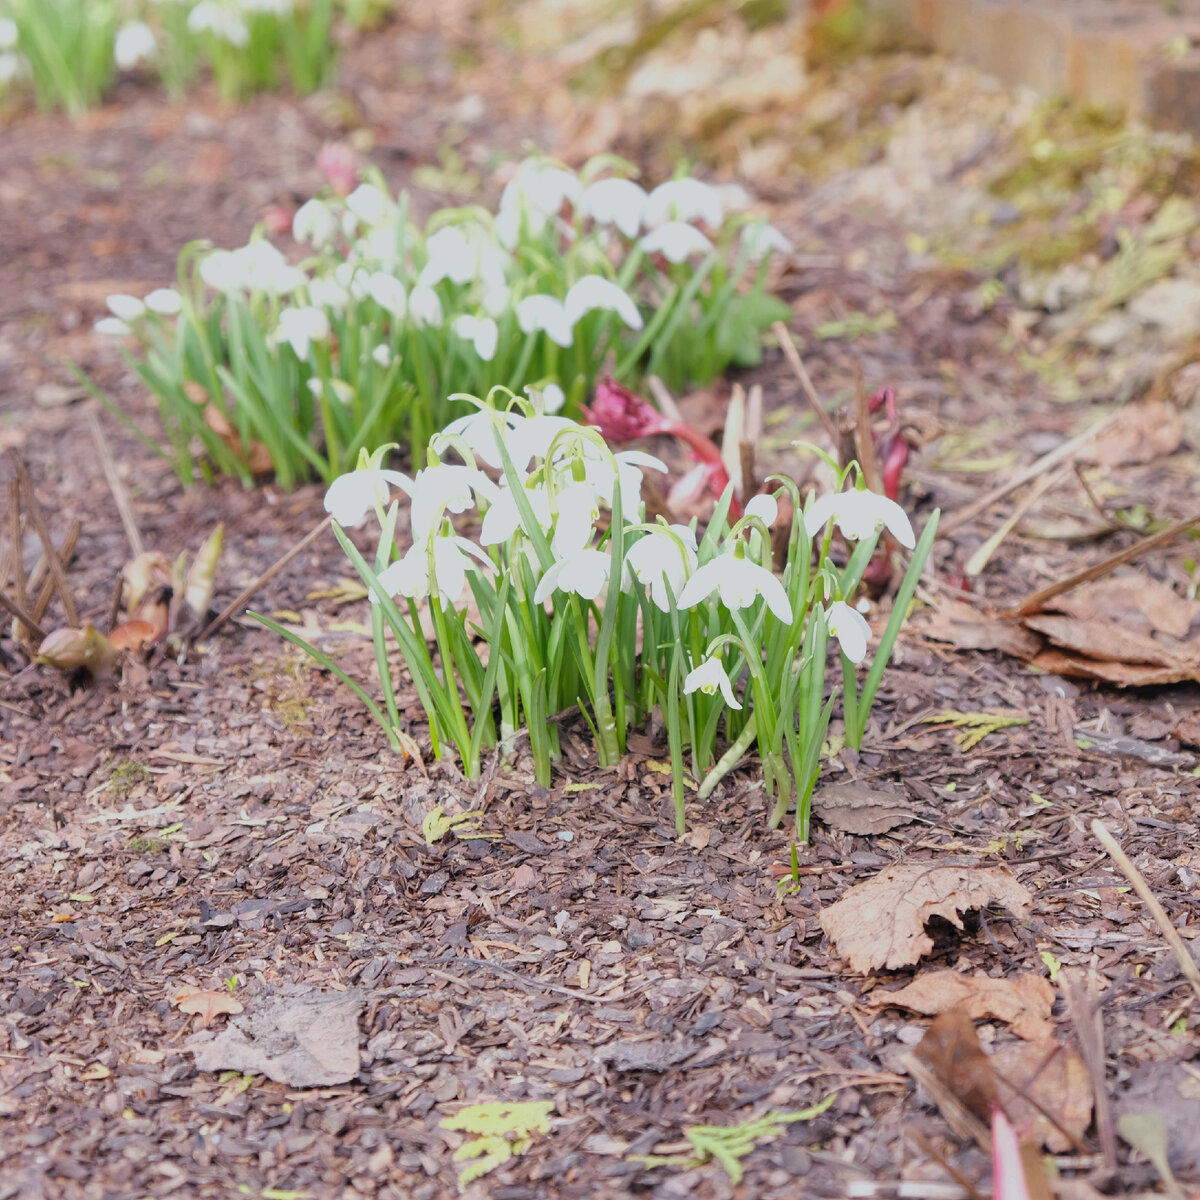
x: 534, y: 585
x: 304, y: 365
x: 70, y: 51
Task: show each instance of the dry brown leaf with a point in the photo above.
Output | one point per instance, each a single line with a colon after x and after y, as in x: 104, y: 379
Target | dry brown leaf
x: 1142, y: 433
x: 858, y: 807
x: 956, y: 1071
x: 1023, y: 1002
x: 1056, y: 1078
x: 134, y: 635
x: 967, y: 628
x: 1054, y: 662
x: 881, y: 923
x: 206, y: 1004
x: 1135, y: 600
x: 258, y: 459
x: 1107, y: 642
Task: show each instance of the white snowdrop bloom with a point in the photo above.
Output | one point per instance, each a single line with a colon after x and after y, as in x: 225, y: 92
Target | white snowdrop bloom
x: 300, y: 327
x: 354, y: 279
x: 584, y: 572
x: 738, y: 582
x: 545, y: 314
x: 452, y: 557
x: 388, y: 292
x: 537, y: 191
x: 9, y: 34
x: 575, y: 518
x: 533, y: 436
x: 496, y: 301
x: 314, y: 223
x: 368, y: 204
x: 482, y: 332
x: 12, y: 66
x: 112, y: 327
x: 134, y: 43
x: 425, y: 308
x: 221, y: 271
x: 860, y: 514
x: 709, y: 677
x: 167, y: 302
x: 450, y: 256
x: 618, y: 202
x: 665, y: 555
x: 676, y: 241
x: 765, y: 507
x: 382, y: 355
x: 503, y: 517
x: 339, y: 389
x: 594, y: 291
x: 684, y: 200
x: 479, y: 431
x: 128, y: 308
x: 352, y: 496
x: 850, y: 628
x: 220, y: 20
x: 630, y: 464
x: 734, y: 197
x: 553, y: 398
x: 328, y: 294
x: 760, y: 239
x: 266, y: 269
x: 446, y: 489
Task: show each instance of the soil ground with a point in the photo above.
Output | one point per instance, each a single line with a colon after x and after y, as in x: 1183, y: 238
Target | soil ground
x: 233, y: 813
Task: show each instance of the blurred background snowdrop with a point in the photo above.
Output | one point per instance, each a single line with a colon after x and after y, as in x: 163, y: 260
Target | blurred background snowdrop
x: 574, y: 275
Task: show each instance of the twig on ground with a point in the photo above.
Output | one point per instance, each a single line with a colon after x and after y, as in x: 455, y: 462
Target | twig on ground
x: 1083, y: 1007
x: 790, y: 352
x: 119, y: 492
x: 16, y: 563
x: 1187, y: 964
x: 38, y: 517
x: 65, y: 552
x: 265, y: 578
x: 1035, y: 600
x: 1066, y: 450
x: 979, y: 560
x: 26, y: 618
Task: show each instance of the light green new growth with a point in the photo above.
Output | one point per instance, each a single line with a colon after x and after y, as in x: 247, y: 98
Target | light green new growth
x: 504, y: 1130
x: 436, y: 825
x: 729, y: 1144
x: 975, y: 727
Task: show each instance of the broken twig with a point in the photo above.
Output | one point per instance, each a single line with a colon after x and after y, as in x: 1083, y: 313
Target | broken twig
x: 790, y: 352
x: 38, y: 517
x: 119, y: 493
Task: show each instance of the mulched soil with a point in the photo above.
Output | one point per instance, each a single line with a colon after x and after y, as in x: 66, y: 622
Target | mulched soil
x: 233, y: 813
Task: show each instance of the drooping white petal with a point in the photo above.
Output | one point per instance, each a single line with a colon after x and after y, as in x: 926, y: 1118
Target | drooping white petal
x: 352, y: 496
x: 482, y: 332
x: 850, y: 628
x: 300, y: 327
x: 618, y: 202
x: 167, y: 302
x: 134, y: 42
x: 545, y: 314
x: 128, y: 308
x: 684, y: 200
x: 314, y: 223
x: 708, y: 677
x: 585, y: 573
x: 424, y: 307
x: 860, y: 514
x: 761, y: 239
x: 676, y: 242
x: 738, y: 582
x: 593, y: 292
x: 112, y: 327
x: 388, y: 292
x: 446, y: 488
x: 368, y: 204
x: 765, y: 507
x: 661, y: 557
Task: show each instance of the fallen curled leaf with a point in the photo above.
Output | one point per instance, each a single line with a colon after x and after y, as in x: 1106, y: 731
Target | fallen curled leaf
x: 858, y: 807
x: 257, y: 457
x: 881, y: 923
x: 134, y: 635
x: 206, y: 1004
x: 951, y: 1064
x: 967, y: 628
x: 95, y: 1071
x: 1023, y: 1002
x: 1135, y: 601
x: 1054, y: 662
x: 1054, y: 1075
x: 1142, y: 433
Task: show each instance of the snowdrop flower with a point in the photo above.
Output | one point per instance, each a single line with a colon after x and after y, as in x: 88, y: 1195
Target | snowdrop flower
x: 339, y: 389
x: 446, y: 489
x: 537, y: 191
x: 300, y: 327
x: 666, y: 555
x: 708, y: 677
x: 553, y: 398
x: 382, y: 355
x: 545, y: 314
x: 314, y: 223
x: 497, y: 301
x: 12, y: 66
x: 258, y: 266
x: 452, y: 557
x: 425, y: 308
x: 533, y: 436
x: 350, y: 497
x: 451, y: 256
x: 503, y: 518
x: 112, y: 327
x: 481, y: 332
x: 328, y: 294
x: 128, y: 308
x: 594, y: 291
x: 219, y: 20
x: 763, y: 506
x: 8, y: 33
x: 684, y: 200
x: 676, y: 241
x: 134, y: 42
x: 388, y: 292
x: 368, y: 204
x: 480, y: 432
x: 860, y: 514
x: 167, y: 302
x: 850, y: 628
x: 760, y: 239
x: 630, y: 464
x: 618, y: 202
x: 739, y: 582
x: 575, y: 518
x: 355, y: 280
x: 584, y: 572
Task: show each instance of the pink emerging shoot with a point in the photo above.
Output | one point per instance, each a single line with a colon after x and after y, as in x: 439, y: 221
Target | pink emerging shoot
x: 339, y: 164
